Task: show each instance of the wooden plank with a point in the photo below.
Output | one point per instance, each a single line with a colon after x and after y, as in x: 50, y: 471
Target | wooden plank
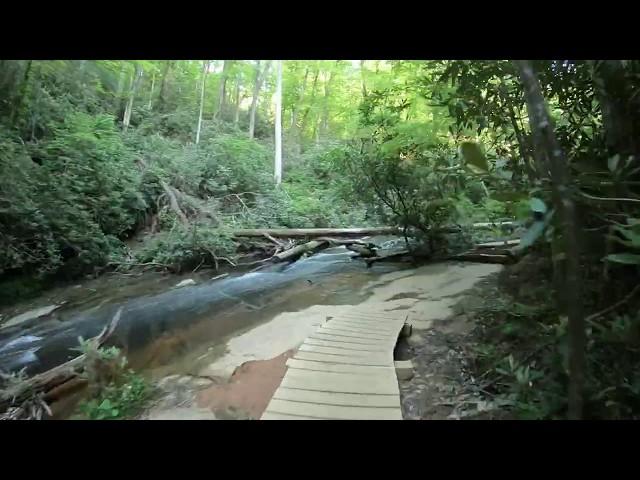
x: 349, y: 333
x: 333, y: 412
x: 340, y: 338
x: 364, y: 328
x: 341, y: 382
x: 346, y: 345
x: 368, y: 323
x: 282, y: 416
x: 344, y: 370
x: 322, y: 357
x: 367, y: 318
x: 397, y: 315
x: 385, y: 379
x: 335, y: 367
x: 332, y: 398
x: 383, y: 356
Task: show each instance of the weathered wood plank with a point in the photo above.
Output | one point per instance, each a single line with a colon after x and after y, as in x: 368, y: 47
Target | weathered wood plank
x: 335, y: 367
x: 332, y: 398
x: 334, y: 412
x: 281, y: 416
x: 346, y: 345
x: 351, y: 339
x: 350, y: 333
x: 383, y: 356
x: 322, y: 357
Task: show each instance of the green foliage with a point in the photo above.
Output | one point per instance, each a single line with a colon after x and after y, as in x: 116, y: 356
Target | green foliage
x: 473, y: 156
x: 115, y: 391
x: 118, y: 400
x: 187, y: 247
x: 68, y: 198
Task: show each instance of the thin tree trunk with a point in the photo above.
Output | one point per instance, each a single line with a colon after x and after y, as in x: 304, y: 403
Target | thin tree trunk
x: 541, y: 123
x: 256, y: 94
x: 222, y: 95
x: 612, y: 90
x: 294, y: 131
x: 325, y: 108
x: 316, y: 131
x: 153, y: 84
x: 163, y: 85
x: 137, y: 75
x: 364, y: 85
x: 305, y: 116
x: 278, y: 140
x: 236, y: 116
x: 203, y: 83
x: 22, y: 89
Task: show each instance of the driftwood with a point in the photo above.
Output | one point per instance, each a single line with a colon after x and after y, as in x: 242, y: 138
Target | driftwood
x: 494, y: 224
x: 505, y: 243
x: 345, y: 241
x: 313, y: 232
x: 296, y: 252
x: 48, y: 384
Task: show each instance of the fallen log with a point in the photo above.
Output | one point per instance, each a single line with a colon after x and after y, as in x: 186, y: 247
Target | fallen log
x: 313, y: 232
x: 296, y: 252
x: 39, y: 386
x: 494, y: 224
x: 504, y: 243
x: 346, y: 241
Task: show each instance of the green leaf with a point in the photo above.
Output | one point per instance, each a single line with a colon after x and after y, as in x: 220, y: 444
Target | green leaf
x: 625, y: 258
x: 613, y: 163
x: 473, y: 156
x: 106, y: 404
x: 538, y: 205
x: 534, y: 232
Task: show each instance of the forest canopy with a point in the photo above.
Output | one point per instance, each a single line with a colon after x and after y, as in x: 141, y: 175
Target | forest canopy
x: 116, y: 164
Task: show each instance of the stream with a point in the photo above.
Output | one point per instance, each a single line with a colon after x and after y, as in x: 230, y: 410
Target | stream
x: 163, y: 327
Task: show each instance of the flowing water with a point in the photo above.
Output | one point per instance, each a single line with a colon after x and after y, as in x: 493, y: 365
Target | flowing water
x: 164, y: 329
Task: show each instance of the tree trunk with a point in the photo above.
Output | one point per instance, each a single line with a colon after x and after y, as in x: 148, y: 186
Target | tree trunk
x: 278, y: 133
x: 163, y: 85
x: 203, y: 83
x: 120, y: 89
x: 137, y: 75
x: 324, y: 130
x: 256, y: 94
x: 294, y: 131
x: 317, y: 127
x: 305, y: 116
x: 236, y: 115
x: 22, y: 89
x: 364, y: 85
x: 612, y: 92
x: 153, y: 84
x: 222, y: 94
x: 314, y: 232
x: 541, y: 124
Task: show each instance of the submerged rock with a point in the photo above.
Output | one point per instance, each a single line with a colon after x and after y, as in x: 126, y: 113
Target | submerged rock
x: 184, y: 283
x: 31, y: 314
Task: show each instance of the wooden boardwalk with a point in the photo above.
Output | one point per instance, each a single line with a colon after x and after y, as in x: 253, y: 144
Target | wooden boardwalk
x: 343, y: 371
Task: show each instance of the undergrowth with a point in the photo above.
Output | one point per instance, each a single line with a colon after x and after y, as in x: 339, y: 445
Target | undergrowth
x: 115, y: 391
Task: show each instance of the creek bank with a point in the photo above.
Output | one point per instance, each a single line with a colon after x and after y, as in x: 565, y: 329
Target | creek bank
x: 253, y: 363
